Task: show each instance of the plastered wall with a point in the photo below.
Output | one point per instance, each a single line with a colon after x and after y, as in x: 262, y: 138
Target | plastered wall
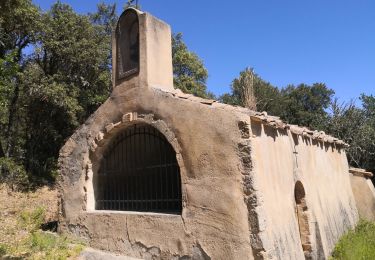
x: 364, y: 195
x: 213, y: 224
x: 238, y: 180
x: 280, y: 159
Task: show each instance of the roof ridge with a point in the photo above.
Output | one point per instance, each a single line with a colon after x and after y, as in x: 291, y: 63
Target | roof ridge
x: 273, y: 121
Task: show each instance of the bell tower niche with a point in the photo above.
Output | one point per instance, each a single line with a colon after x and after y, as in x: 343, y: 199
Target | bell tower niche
x: 141, y: 52
x: 127, y: 43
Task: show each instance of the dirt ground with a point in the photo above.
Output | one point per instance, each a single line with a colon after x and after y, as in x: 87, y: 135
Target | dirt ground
x: 13, y: 204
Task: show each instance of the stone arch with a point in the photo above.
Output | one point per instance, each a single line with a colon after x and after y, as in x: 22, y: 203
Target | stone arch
x: 102, y: 143
x: 302, y: 218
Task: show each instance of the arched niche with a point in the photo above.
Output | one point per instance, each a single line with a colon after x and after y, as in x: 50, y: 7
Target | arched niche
x: 127, y: 44
x: 302, y: 218
x: 138, y: 172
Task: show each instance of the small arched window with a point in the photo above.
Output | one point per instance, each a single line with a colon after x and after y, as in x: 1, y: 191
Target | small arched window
x: 139, y: 172
x: 127, y: 35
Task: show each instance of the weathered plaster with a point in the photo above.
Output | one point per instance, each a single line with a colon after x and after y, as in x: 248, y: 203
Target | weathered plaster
x: 214, y: 215
x: 239, y: 170
x: 280, y: 159
x: 364, y: 193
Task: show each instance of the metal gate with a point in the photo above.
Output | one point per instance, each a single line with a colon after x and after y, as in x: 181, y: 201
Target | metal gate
x: 139, y: 172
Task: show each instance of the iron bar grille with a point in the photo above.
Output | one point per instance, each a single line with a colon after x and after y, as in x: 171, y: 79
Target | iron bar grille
x: 139, y: 172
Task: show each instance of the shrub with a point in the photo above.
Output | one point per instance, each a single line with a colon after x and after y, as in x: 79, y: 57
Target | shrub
x: 32, y: 220
x: 3, y: 250
x: 13, y: 174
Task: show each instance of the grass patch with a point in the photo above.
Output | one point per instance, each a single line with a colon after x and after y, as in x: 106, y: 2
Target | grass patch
x: 32, y: 220
x: 357, y: 244
x: 37, y: 244
x: 46, y: 245
x: 3, y: 250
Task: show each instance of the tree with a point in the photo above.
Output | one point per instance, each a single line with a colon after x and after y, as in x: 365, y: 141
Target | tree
x: 47, y: 94
x: 106, y: 17
x: 19, y: 21
x: 68, y: 77
x: 305, y: 105
x: 189, y: 73
x: 356, y: 127
x: 262, y: 94
x: 368, y: 103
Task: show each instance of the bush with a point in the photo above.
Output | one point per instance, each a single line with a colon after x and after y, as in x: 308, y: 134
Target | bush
x: 3, y: 250
x: 13, y: 174
x: 358, y: 243
x: 32, y: 220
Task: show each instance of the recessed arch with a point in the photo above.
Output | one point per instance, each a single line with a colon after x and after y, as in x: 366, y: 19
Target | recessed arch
x: 127, y: 44
x: 302, y: 218
x: 139, y: 172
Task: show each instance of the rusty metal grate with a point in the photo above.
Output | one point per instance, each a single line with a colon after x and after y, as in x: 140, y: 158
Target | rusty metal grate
x: 139, y: 172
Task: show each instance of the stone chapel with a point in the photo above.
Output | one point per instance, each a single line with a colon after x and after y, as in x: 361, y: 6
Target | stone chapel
x: 156, y: 173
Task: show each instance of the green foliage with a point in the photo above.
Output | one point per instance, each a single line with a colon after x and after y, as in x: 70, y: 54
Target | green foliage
x: 13, y: 174
x: 19, y: 20
x: 357, y: 244
x: 305, y: 105
x: 75, y: 52
x: 32, y: 220
x: 9, y: 69
x: 3, y: 250
x: 46, y: 245
x: 189, y: 73
x: 266, y: 95
x: 105, y: 16
x: 314, y: 106
x: 47, y: 94
x: 356, y: 126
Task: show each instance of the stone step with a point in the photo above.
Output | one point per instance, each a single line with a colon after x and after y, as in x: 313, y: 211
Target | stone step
x: 94, y: 254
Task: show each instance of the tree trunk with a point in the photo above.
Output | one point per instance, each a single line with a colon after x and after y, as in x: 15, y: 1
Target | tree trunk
x: 9, y: 135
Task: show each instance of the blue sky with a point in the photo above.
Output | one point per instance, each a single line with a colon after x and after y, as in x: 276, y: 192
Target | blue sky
x: 286, y: 42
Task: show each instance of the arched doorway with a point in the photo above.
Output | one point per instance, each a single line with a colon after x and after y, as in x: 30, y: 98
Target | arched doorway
x: 139, y: 172
x: 302, y: 218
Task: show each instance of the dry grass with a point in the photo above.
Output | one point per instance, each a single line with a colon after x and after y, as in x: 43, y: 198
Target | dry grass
x: 14, y: 204
x: 21, y: 215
